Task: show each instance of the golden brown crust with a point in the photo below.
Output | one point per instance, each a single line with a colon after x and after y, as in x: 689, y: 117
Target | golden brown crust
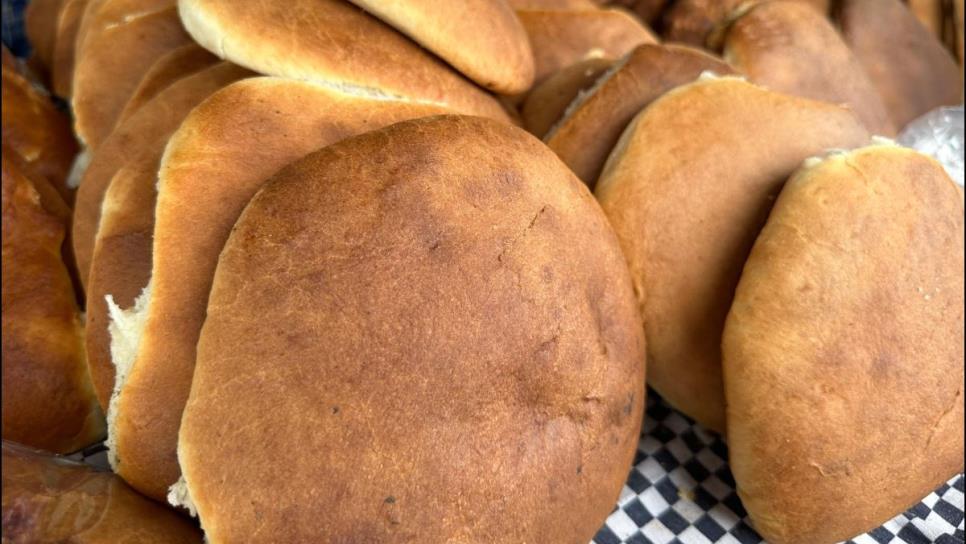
x: 40, y: 24
x: 687, y: 208
x: 325, y: 34
x: 62, y: 68
x: 911, y: 69
x: 52, y: 499
x: 48, y: 401
x: 693, y: 21
x: 486, y: 320
x: 552, y: 4
x: 213, y: 165
x: 547, y: 102
x: 562, y: 38
x: 37, y: 130
x: 789, y: 47
x: 843, y: 351
x: 155, y: 120
x: 483, y: 39
x: 118, y: 50
x: 585, y: 137
x: 171, y: 67
x: 119, y: 263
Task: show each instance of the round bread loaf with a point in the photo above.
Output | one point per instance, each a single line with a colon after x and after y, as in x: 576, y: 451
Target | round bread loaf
x: 426, y: 318
x: 911, y: 69
x: 694, y: 21
x: 37, y: 130
x: 789, y: 47
x: 562, y: 38
x: 552, y: 4
x: 139, y: 141
x: 115, y: 56
x: 48, y: 401
x: 52, y: 499
x: 333, y: 43
x: 547, y: 102
x: 174, y: 65
x: 146, y: 129
x: 483, y: 39
x: 593, y: 123
x: 687, y: 189
x: 213, y: 165
x: 843, y: 349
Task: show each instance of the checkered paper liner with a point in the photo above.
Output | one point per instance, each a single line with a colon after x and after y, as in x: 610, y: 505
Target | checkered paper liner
x: 680, y: 491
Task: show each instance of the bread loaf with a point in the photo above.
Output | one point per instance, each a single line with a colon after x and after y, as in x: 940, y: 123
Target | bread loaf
x: 452, y: 298
x: 174, y: 65
x: 843, y: 350
x: 547, y: 102
x: 212, y: 166
x: 687, y: 205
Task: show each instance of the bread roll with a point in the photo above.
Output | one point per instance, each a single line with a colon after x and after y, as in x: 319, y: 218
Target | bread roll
x: 483, y: 39
x: 911, y: 69
x: 552, y: 4
x: 62, y: 70
x: 843, y: 350
x: 37, y: 130
x: 144, y: 134
x: 48, y: 401
x: 930, y: 14
x: 51, y: 499
x: 789, y: 47
x: 693, y: 21
x: 116, y: 56
x: 547, y: 102
x: 213, y: 165
x: 588, y: 131
x: 319, y: 40
x: 171, y: 67
x: 687, y: 205
x: 40, y: 24
x: 154, y: 121
x: 452, y: 298
x: 562, y: 38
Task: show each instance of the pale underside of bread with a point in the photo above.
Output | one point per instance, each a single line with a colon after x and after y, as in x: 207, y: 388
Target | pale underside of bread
x: 385, y: 66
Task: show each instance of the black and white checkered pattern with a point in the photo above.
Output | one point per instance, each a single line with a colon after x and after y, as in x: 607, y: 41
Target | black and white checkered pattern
x: 681, y: 491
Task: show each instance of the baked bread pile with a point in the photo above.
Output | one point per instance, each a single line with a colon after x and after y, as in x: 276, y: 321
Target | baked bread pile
x: 303, y: 267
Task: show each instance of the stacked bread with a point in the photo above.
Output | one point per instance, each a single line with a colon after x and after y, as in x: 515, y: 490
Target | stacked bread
x: 334, y: 294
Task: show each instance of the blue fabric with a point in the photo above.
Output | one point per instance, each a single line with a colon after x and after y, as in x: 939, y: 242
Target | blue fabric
x: 13, y: 34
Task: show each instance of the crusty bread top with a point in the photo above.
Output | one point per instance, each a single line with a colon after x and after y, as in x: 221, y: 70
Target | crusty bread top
x: 911, y: 69
x: 320, y: 41
x: 171, y: 67
x: 687, y: 188
x: 37, y: 130
x: 48, y: 401
x: 59, y: 500
x: 561, y: 38
x: 547, y: 102
x: 439, y: 294
x: 843, y: 350
x: 218, y: 158
x: 483, y: 39
x: 155, y: 120
x: 593, y: 123
x: 694, y: 21
x: 789, y: 47
x: 552, y: 4
x: 144, y: 132
x: 115, y: 57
